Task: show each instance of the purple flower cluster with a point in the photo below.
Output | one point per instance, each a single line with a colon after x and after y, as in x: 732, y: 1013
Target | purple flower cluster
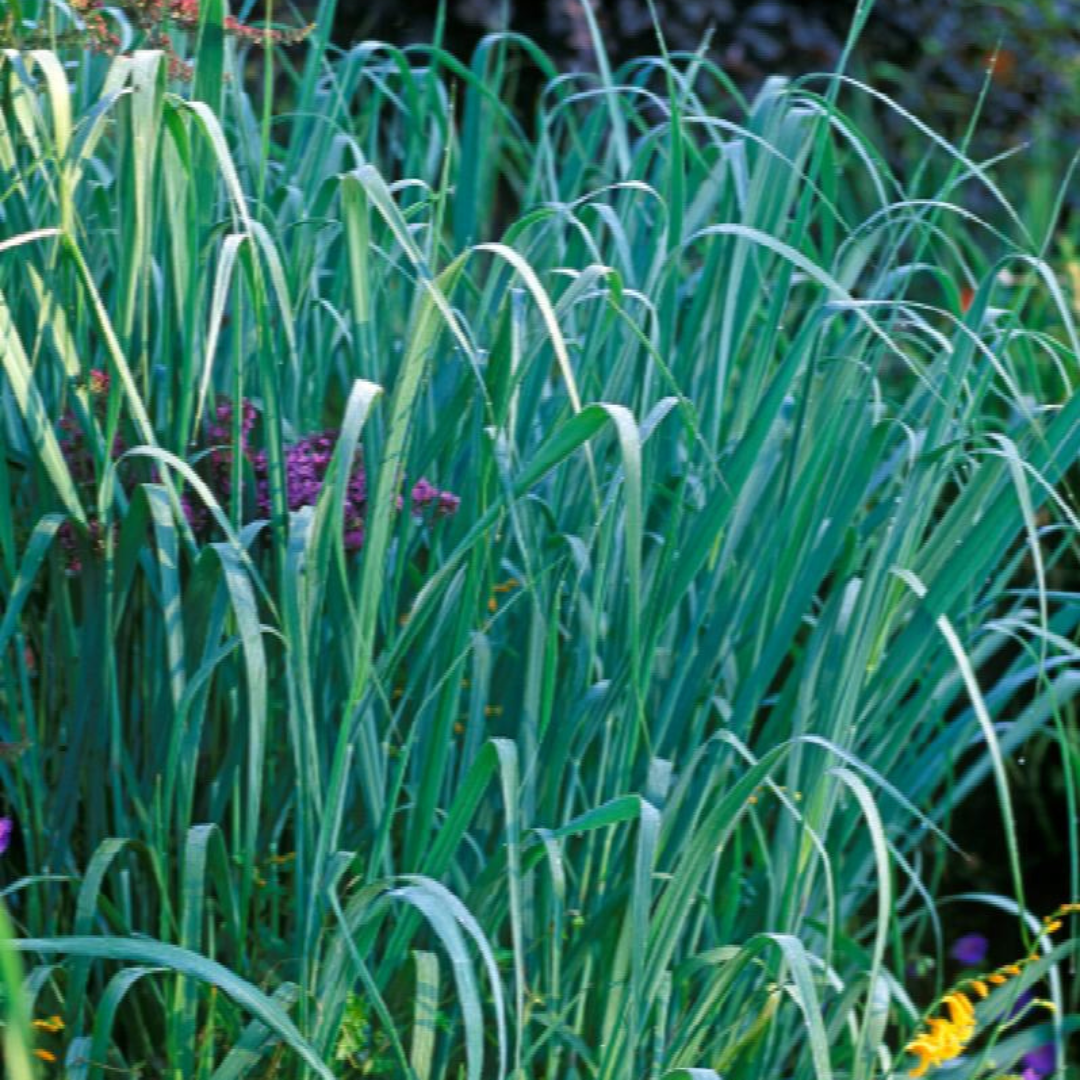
x: 307, y: 462
x: 426, y: 496
x: 217, y: 464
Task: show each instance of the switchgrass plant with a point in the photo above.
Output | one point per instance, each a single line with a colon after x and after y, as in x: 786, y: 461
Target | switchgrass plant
x: 642, y: 761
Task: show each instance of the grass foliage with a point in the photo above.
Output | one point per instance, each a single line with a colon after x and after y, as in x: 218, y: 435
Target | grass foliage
x: 641, y: 761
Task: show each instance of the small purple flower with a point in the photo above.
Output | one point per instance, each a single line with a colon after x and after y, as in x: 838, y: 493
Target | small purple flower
x: 425, y: 494
x: 970, y: 950
x: 1039, y: 1062
x: 448, y: 503
x: 7, y: 828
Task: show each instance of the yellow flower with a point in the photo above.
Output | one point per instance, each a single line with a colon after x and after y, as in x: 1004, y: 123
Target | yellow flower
x: 946, y: 1035
x: 45, y: 1055
x: 961, y: 1015
x: 944, y: 1039
x: 959, y: 1005
x: 926, y: 1052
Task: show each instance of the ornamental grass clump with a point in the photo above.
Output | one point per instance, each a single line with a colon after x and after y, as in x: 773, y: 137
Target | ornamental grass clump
x: 599, y: 546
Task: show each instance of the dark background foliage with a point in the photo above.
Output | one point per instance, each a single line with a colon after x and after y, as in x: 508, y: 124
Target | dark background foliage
x: 931, y: 56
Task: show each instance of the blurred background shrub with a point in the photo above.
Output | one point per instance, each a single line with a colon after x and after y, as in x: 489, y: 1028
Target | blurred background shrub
x: 932, y: 58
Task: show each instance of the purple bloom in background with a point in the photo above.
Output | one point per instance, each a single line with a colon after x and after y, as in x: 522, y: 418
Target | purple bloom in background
x: 7, y: 828
x: 220, y: 461
x: 970, y: 950
x: 307, y: 463
x: 1039, y: 1062
x: 425, y: 495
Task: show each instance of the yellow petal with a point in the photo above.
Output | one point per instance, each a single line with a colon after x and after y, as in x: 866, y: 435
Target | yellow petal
x: 945, y: 1034
x: 960, y: 1008
x: 920, y: 1069
x: 925, y: 1050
